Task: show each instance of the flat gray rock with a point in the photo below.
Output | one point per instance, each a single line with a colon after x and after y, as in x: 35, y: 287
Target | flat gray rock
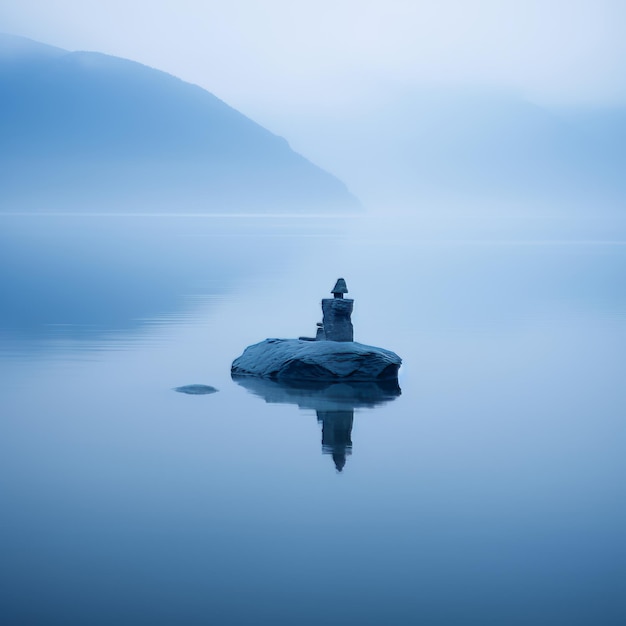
x: 295, y: 359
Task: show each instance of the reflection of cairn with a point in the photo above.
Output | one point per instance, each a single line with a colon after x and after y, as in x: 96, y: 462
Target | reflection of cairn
x: 336, y: 434
x: 333, y: 402
x: 337, y: 325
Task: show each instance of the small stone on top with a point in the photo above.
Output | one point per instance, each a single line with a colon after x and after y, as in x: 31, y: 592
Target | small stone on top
x: 340, y: 288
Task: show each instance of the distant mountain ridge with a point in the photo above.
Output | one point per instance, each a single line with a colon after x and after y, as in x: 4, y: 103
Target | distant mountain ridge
x: 97, y: 130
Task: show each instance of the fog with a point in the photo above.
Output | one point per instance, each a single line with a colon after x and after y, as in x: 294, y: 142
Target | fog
x: 149, y: 232
x: 277, y: 56
x: 433, y: 107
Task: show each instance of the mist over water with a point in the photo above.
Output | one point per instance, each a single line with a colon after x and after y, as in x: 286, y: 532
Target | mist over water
x: 149, y: 232
x: 489, y: 491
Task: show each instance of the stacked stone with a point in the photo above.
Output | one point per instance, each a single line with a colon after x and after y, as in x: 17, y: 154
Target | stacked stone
x: 337, y: 311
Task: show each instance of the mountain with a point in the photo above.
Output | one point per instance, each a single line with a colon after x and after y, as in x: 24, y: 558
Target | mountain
x: 438, y: 145
x: 87, y: 130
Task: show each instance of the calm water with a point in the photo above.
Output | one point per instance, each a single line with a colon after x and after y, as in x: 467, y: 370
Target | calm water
x: 490, y: 491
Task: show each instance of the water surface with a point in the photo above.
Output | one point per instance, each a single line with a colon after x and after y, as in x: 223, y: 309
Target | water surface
x: 489, y: 491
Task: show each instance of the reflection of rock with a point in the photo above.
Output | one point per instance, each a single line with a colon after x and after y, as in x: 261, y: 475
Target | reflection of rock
x: 321, y: 396
x: 297, y: 359
x: 334, y: 403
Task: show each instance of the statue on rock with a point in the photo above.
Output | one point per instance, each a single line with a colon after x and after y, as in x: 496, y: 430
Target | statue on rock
x: 337, y: 311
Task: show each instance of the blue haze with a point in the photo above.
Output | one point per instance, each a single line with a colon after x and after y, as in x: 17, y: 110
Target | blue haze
x: 437, y: 149
x: 490, y: 491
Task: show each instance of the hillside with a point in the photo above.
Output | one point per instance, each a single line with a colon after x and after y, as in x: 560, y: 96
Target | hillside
x: 86, y: 130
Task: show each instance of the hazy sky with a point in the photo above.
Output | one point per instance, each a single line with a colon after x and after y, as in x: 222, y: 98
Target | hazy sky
x: 286, y: 54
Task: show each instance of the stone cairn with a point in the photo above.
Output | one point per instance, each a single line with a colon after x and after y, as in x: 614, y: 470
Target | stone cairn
x: 337, y: 311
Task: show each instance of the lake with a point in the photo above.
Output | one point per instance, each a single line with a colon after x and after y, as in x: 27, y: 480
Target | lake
x: 489, y: 491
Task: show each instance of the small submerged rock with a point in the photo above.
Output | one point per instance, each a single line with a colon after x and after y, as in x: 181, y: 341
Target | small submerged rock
x: 196, y: 390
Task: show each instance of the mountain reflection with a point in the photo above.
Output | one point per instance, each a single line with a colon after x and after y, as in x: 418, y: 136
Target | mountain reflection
x: 89, y: 275
x: 333, y: 402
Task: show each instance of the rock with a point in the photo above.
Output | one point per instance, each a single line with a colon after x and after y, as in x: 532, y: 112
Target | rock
x: 337, y: 324
x: 294, y: 359
x: 332, y: 355
x: 340, y: 288
x: 196, y: 390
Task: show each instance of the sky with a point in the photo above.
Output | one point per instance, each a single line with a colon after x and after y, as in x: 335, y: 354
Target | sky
x: 286, y: 55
